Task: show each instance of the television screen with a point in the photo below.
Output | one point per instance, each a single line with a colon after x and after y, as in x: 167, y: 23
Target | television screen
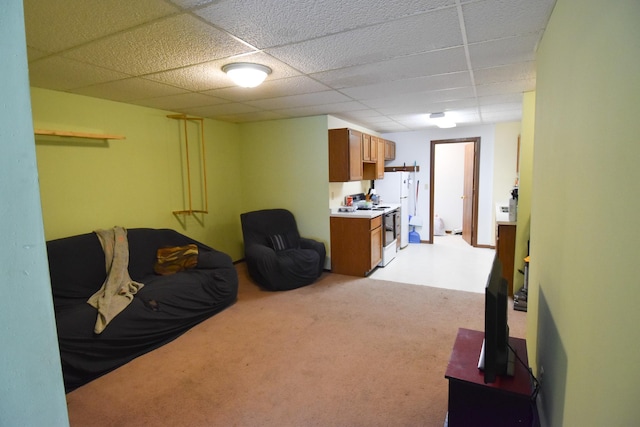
x: 496, y: 358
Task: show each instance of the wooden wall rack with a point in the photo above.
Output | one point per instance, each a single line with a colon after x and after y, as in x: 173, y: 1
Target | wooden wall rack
x: 70, y: 134
x: 186, y: 119
x: 402, y: 169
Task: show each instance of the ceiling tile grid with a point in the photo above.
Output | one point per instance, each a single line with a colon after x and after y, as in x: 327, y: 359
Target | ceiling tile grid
x: 383, y: 64
x: 271, y: 23
x: 54, y: 26
x: 174, y: 42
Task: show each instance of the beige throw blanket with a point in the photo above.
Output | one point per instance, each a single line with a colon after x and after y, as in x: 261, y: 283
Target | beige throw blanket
x: 118, y: 289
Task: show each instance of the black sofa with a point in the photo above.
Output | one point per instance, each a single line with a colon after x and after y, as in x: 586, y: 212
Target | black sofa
x: 164, y: 308
x: 278, y: 258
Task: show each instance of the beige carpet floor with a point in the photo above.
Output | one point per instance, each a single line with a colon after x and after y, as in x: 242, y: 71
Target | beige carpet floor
x: 344, y: 351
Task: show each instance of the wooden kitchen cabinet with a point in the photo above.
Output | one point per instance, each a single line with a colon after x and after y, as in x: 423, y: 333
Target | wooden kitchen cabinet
x: 356, y: 245
x: 357, y: 156
x: 506, y: 249
x: 369, y: 148
x: 375, y: 170
x: 345, y: 155
x: 389, y: 150
x: 381, y: 159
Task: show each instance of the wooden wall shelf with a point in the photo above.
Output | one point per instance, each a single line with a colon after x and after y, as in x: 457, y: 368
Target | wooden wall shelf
x: 200, y: 120
x: 402, y: 169
x: 69, y: 134
x: 189, y: 212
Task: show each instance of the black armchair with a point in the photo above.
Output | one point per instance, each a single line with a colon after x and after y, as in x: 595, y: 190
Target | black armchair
x: 277, y: 257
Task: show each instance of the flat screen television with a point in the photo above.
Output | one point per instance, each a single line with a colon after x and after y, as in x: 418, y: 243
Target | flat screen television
x: 496, y: 357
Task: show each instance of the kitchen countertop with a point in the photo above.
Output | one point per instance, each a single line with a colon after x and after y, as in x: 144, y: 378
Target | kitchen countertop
x: 365, y: 213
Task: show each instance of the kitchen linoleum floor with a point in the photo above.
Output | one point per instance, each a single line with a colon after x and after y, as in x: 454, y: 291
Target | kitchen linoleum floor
x: 448, y: 263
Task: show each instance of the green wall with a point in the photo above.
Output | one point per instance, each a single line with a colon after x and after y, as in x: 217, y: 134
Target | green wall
x: 138, y: 181
x: 31, y: 389
x: 285, y: 163
x: 524, y: 188
x: 141, y: 180
x: 505, y: 166
x: 584, y: 238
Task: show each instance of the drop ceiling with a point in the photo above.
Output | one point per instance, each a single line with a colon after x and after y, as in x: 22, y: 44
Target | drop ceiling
x: 382, y: 64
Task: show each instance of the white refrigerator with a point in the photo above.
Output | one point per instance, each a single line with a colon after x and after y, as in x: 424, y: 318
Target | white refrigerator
x: 395, y: 188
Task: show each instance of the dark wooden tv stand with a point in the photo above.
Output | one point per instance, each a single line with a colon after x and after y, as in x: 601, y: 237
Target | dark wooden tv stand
x: 505, y: 402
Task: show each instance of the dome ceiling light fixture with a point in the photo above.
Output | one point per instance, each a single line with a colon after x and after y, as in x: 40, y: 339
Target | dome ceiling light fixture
x: 442, y: 121
x: 247, y: 74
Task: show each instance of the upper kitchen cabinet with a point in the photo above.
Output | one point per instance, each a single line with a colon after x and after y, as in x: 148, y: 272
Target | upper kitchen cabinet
x: 389, y: 150
x: 357, y: 156
x: 369, y: 148
x: 345, y: 155
x: 381, y: 158
x: 375, y: 170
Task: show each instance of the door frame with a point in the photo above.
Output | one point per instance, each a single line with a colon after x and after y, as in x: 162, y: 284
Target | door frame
x: 476, y: 182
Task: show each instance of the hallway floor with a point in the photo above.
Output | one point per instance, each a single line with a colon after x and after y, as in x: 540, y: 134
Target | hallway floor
x: 447, y: 263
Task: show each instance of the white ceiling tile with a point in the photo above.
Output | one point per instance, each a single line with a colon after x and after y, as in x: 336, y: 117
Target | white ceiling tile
x: 418, y: 99
x: 364, y: 114
x: 510, y: 98
x: 417, y: 84
x: 423, y: 120
x: 268, y: 23
x: 519, y: 71
x: 71, y: 23
x: 187, y: 4
x: 221, y: 110
x: 59, y: 73
x: 196, y: 78
x: 432, y: 63
x: 493, y: 19
x: 386, y: 122
x: 412, y: 120
x: 181, y: 101
x: 502, y: 116
x: 465, y: 116
x: 252, y: 117
x: 451, y: 106
x: 416, y: 34
x: 270, y: 89
x: 304, y: 100
x: 314, y: 110
x: 503, y: 51
x: 174, y: 42
x: 497, y: 108
x: 34, y: 54
x: 507, y: 87
x: 127, y: 90
x: 209, y: 75
x: 389, y: 127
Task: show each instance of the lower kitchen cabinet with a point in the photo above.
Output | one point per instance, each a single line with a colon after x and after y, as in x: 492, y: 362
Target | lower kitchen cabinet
x: 356, y: 245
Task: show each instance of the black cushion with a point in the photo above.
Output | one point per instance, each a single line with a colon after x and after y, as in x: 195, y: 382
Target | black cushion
x: 279, y: 242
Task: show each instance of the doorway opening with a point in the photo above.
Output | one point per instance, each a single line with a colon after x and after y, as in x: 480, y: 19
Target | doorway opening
x: 470, y: 188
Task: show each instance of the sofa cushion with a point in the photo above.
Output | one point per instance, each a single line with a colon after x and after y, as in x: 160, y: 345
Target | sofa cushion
x: 170, y: 260
x: 279, y: 242
x: 76, y: 266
